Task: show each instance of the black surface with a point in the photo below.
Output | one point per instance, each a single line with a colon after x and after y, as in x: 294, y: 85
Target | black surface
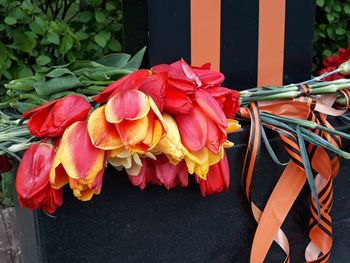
x: 169, y: 31
x: 239, y: 42
x: 125, y: 224
x: 300, y: 17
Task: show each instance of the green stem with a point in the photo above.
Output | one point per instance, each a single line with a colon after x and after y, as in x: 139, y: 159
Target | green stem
x: 96, y: 82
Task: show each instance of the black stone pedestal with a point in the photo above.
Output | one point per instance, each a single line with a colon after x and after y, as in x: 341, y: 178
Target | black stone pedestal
x: 125, y: 224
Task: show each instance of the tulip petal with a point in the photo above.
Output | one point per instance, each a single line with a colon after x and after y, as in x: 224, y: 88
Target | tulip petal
x: 211, y: 108
x: 177, y: 102
x: 52, y: 121
x: 171, y: 144
x: 79, y: 158
x: 31, y: 112
x: 232, y: 126
x: 133, y: 132
x: 218, y: 178
x: 131, y: 81
x: 128, y: 105
x: 154, y: 86
x: 193, y: 129
x: 33, y: 171
x: 103, y: 134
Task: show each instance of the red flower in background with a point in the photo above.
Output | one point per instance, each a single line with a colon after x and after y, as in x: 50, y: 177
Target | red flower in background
x: 32, y: 181
x: 51, y: 119
x: 5, y: 164
x: 332, y: 63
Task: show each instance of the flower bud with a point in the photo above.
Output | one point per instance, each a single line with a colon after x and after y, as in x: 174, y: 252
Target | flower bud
x: 345, y: 68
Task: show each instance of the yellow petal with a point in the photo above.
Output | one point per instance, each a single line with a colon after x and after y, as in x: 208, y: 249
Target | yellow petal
x: 133, y: 132
x: 103, y: 134
x: 232, y: 126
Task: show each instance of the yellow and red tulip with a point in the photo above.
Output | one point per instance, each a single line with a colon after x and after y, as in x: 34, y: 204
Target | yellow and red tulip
x: 130, y: 117
x: 78, y: 163
x: 32, y: 181
x: 218, y: 178
x: 51, y: 119
x: 171, y: 144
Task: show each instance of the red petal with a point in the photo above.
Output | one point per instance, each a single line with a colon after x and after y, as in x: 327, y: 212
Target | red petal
x: 227, y: 99
x: 128, y: 105
x: 193, y: 129
x: 218, y: 178
x: 33, y: 171
x: 171, y: 175
x: 210, y: 107
x: 154, y: 86
x: 177, y: 102
x: 29, y: 113
x: 52, y: 121
x: 131, y: 81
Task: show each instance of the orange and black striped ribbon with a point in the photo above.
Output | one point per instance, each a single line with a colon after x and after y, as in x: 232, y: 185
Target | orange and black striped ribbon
x: 325, y: 170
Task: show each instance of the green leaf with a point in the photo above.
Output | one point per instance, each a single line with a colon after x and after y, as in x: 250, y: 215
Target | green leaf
x: 100, y: 17
x: 84, y: 16
x: 320, y: 3
x: 330, y: 17
x: 102, y: 38
x: 53, y: 38
x: 38, y: 26
x: 81, y: 35
x: 136, y: 61
x: 25, y: 42
x: 17, y: 13
x: 55, y: 85
x: 10, y: 20
x: 59, y: 72
x: 66, y: 44
x: 330, y: 33
x: 269, y: 148
x: 340, y: 31
x: 308, y: 171
x: 114, y: 45
x: 347, y: 9
x: 43, y: 60
x: 114, y: 60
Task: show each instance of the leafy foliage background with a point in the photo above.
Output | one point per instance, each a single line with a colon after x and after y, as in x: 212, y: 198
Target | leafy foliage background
x: 36, y: 33
x: 331, y: 29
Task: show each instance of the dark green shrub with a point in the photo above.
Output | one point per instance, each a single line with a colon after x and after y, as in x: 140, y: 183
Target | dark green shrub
x: 331, y: 29
x: 37, y: 33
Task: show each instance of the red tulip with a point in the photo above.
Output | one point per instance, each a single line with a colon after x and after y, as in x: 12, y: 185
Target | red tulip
x: 206, y: 76
x: 228, y: 99
x: 32, y: 180
x: 161, y: 172
x: 5, y: 164
x: 218, y: 179
x: 51, y: 119
x: 205, y: 125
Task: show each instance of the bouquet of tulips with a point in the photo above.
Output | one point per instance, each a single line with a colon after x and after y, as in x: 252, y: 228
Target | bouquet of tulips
x: 164, y: 124
x: 159, y: 125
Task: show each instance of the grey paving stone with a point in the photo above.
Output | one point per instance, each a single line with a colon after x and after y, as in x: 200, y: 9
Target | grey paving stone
x: 9, y: 237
